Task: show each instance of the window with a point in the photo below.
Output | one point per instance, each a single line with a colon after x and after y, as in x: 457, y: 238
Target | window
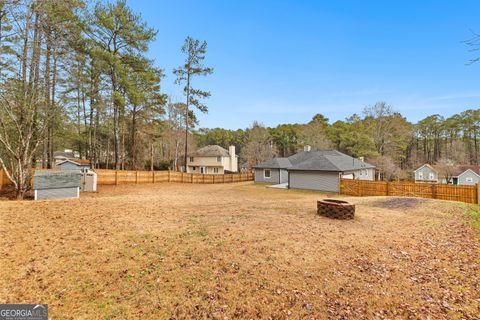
x: 191, y: 159
x: 469, y: 179
x: 215, y: 170
x: 266, y: 173
x: 219, y: 159
x: 431, y: 176
x: 194, y: 168
x: 420, y: 175
x: 361, y: 172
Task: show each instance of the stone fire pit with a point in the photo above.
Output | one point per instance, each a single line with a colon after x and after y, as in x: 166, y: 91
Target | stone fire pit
x: 336, y: 209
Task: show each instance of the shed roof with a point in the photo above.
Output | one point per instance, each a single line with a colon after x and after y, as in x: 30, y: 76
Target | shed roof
x: 56, y: 179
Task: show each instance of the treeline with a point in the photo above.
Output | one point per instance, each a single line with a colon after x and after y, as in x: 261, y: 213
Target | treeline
x: 75, y: 74
x: 380, y: 134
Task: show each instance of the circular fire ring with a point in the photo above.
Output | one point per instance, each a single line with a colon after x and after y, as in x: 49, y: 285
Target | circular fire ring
x: 335, y: 209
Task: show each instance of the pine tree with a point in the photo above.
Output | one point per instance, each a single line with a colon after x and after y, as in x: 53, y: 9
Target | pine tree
x: 195, y: 52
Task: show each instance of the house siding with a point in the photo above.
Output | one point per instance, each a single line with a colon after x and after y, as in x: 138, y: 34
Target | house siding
x: 283, y: 176
x: 274, y: 176
x: 314, y: 180
x: 426, y: 174
x: 226, y: 163
x: 367, y: 174
x: 462, y: 179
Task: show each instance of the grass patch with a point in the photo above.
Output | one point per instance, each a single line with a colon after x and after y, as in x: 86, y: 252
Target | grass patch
x: 473, y: 213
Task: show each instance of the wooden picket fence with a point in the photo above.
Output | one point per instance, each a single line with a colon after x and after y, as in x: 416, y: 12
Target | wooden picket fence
x: 469, y: 194
x: 116, y: 177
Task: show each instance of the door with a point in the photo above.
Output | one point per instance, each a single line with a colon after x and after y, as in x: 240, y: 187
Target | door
x: 203, y: 170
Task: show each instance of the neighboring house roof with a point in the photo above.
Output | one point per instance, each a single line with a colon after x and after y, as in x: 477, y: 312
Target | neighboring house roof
x: 210, y: 151
x: 460, y: 169
x: 63, y: 154
x: 455, y: 170
x: 466, y: 171
x: 326, y: 160
x: 77, y: 162
x: 426, y: 165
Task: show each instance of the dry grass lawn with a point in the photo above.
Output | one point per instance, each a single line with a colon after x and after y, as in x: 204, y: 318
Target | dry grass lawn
x: 238, y: 251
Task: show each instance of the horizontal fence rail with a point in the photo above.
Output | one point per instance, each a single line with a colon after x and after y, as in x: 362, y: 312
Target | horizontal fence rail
x: 116, y: 177
x: 361, y: 188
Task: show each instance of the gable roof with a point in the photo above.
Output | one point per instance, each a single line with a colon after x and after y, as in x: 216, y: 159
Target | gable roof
x: 326, y: 160
x: 460, y: 169
x: 468, y: 170
x: 77, y: 162
x: 210, y: 151
x: 426, y: 165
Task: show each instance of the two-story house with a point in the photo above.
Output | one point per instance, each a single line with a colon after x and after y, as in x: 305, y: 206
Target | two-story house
x: 213, y: 159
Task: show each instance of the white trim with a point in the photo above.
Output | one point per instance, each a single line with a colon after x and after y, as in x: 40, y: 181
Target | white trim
x: 461, y: 174
x: 426, y: 165
x: 35, y: 197
x: 78, y: 192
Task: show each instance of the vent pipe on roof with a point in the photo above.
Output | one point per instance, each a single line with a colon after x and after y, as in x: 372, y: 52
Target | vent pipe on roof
x: 307, y: 148
x: 361, y: 159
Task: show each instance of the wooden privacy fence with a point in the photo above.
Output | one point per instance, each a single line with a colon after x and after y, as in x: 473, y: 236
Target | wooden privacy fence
x: 115, y: 177
x: 361, y: 188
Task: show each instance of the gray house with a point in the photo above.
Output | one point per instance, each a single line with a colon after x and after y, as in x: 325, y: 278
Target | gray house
x: 426, y: 173
x: 273, y: 171
x: 460, y: 174
x: 313, y: 170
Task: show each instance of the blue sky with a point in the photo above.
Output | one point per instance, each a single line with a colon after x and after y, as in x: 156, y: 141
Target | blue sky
x: 284, y: 61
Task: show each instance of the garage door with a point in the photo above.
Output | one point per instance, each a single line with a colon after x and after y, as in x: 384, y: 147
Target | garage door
x: 321, y: 181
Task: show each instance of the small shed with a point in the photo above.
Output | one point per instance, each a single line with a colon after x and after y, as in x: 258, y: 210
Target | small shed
x: 89, y: 181
x: 56, y: 184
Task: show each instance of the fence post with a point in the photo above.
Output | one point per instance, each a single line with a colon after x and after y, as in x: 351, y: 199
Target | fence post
x: 203, y: 178
x: 1, y: 179
x: 388, y: 188
x: 434, y: 191
x: 153, y: 176
x: 478, y: 193
x: 136, y: 177
x: 116, y: 177
x: 191, y: 180
x: 168, y: 175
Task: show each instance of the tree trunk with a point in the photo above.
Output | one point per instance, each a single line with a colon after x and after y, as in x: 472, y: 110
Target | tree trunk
x: 133, y: 150
x: 186, y: 117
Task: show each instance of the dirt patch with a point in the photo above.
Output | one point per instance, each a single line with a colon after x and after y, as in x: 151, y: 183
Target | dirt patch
x: 236, y: 251
x: 398, y: 203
